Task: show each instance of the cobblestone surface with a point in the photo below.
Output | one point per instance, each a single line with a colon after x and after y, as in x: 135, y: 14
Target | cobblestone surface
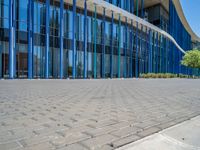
x: 91, y: 114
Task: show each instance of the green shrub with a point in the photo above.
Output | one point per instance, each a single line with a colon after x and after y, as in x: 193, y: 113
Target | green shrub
x: 164, y: 75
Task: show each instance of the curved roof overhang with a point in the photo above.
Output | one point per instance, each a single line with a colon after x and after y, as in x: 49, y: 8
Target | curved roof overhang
x: 184, y: 20
x: 130, y: 17
x: 125, y: 14
x: 177, y: 4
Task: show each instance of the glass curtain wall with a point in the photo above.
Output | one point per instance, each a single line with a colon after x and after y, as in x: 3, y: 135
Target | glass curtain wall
x: 21, y: 59
x: 4, y: 38
x: 39, y: 39
x: 165, y: 56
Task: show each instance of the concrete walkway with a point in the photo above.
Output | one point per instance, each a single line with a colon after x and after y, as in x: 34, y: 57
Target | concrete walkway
x: 184, y: 136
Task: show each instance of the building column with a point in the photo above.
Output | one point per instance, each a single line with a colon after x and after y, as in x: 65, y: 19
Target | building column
x: 30, y: 40
x: 74, y: 40
x: 61, y: 38
x: 95, y: 41
x: 131, y: 6
x: 140, y: 52
x: 137, y: 9
x: 136, y: 55
x: 125, y: 49
x: 85, y: 39
x: 167, y: 55
x: 119, y: 46
x: 103, y: 43
x: 11, y: 40
x: 111, y: 45
x: 142, y: 8
x: 47, y: 41
x: 146, y: 53
x: 150, y: 52
x: 156, y: 51
x: 131, y: 49
x: 162, y: 58
x: 153, y: 53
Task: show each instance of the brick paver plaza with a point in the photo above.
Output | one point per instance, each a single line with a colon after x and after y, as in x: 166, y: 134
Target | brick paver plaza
x: 91, y: 114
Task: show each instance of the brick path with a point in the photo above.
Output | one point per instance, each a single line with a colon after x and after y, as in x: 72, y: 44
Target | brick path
x: 91, y: 114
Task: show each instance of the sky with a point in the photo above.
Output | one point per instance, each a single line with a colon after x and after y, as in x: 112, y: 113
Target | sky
x: 191, y: 10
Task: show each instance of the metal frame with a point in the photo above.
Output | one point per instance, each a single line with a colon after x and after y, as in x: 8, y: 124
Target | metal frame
x: 111, y: 45
x: 61, y: 37
x: 119, y: 47
x: 74, y: 40
x: 125, y: 49
x: 131, y: 50
x: 30, y: 39
x: 11, y: 40
x: 47, y: 41
x: 85, y: 40
x: 95, y: 41
x: 136, y: 59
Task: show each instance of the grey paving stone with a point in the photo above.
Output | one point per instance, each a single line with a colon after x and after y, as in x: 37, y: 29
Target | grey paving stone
x: 58, y: 113
x: 100, y: 131
x: 75, y: 146
x: 60, y: 141
x: 148, y: 131
x: 126, y: 140
x: 126, y: 132
x: 39, y: 146
x: 105, y: 147
x: 99, y: 141
x: 12, y: 145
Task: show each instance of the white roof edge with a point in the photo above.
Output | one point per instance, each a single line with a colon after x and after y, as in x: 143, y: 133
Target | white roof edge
x: 130, y: 16
x: 184, y: 20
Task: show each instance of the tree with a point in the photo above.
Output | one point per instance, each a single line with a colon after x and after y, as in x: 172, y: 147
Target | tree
x: 191, y: 59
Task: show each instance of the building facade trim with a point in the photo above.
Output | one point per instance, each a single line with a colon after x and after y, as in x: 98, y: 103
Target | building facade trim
x: 130, y: 16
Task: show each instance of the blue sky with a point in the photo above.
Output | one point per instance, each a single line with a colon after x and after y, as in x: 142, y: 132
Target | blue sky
x: 191, y: 10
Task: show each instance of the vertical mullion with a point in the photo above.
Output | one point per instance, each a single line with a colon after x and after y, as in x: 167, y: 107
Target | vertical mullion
x: 146, y: 51
x: 95, y: 38
x: 61, y: 38
x: 167, y: 55
x: 85, y: 39
x: 131, y: 49
x: 140, y: 52
x: 74, y: 39
x: 157, y: 49
x: 119, y: 46
x: 150, y: 52
x: 111, y: 45
x: 30, y: 44
x: 142, y: 8
x: 125, y: 49
x: 14, y: 38
x: 136, y: 63
x: 137, y: 7
x: 32, y: 12
x: 47, y: 41
x: 103, y: 43
x: 11, y: 41
x: 160, y: 54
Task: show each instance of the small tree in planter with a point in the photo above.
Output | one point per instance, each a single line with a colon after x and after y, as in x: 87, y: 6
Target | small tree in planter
x: 192, y: 59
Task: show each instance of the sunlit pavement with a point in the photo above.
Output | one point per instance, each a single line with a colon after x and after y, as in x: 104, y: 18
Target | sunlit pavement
x: 184, y: 136
x: 91, y: 114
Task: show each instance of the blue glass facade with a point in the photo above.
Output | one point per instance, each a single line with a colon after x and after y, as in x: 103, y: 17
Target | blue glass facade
x: 51, y: 39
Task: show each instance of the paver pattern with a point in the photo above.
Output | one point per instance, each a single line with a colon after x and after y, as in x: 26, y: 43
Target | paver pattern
x: 91, y: 114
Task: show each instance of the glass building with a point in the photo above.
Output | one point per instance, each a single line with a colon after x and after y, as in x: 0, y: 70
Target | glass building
x: 92, y: 38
